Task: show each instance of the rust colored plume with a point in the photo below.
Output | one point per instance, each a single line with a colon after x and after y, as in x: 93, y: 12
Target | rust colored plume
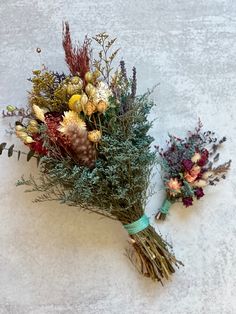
x: 77, y: 58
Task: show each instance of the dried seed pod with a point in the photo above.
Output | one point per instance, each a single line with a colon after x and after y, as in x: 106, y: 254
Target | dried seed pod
x: 96, y: 74
x: 83, y: 100
x: 88, y: 88
x: 70, y: 89
x: 88, y: 77
x: 75, y: 80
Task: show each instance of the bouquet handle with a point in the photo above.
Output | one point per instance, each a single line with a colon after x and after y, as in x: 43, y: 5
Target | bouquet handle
x: 164, y: 210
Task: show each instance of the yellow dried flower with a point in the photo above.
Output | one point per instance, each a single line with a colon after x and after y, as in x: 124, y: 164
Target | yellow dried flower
x: 199, y: 183
x: 39, y: 113
x: 89, y: 108
x: 71, y: 118
x: 74, y: 103
x: 94, y: 136
x: 102, y: 106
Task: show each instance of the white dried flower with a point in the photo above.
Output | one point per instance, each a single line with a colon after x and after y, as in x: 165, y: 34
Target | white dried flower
x: 102, y: 93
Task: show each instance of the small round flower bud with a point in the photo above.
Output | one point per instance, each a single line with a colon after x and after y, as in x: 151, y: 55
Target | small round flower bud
x: 11, y: 108
x: 19, y: 127
x: 22, y: 135
x: 33, y: 123
x: 94, y: 136
x: 89, y: 108
x: 75, y: 80
x: 102, y: 106
x: 32, y: 129
x: 29, y: 140
x: 96, y: 74
x: 83, y: 99
x: 70, y: 89
x: 88, y: 77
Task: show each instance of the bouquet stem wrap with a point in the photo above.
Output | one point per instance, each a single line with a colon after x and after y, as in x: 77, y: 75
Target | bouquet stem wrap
x: 150, y: 253
x: 164, y: 210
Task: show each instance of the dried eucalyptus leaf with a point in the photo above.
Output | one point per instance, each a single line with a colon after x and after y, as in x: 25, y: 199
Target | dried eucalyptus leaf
x: 216, y: 158
x: 2, y: 146
x: 30, y: 155
x: 10, y: 150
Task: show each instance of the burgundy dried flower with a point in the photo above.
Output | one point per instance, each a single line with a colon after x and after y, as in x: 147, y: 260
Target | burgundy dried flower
x: 199, y: 193
x: 187, y: 164
x: 37, y: 145
x: 187, y: 201
x: 77, y: 57
x: 204, y: 158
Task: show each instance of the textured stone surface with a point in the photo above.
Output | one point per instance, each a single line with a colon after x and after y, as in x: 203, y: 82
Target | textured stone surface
x: 54, y: 259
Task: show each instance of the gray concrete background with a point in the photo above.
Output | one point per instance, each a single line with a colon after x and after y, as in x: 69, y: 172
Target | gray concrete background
x: 54, y: 259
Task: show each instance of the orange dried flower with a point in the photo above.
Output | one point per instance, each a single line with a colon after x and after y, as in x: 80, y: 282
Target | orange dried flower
x: 174, y: 185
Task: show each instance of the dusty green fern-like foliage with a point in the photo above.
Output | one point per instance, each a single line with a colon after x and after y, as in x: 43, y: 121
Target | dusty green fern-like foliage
x: 122, y: 168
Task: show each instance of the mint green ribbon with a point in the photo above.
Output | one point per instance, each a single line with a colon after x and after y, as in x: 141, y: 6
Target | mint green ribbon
x: 138, y: 225
x: 165, y: 206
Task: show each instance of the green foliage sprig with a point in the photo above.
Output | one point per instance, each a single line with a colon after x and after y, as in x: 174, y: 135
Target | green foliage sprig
x: 104, y: 63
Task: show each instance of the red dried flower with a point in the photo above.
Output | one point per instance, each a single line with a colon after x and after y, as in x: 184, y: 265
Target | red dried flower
x: 187, y: 201
x: 204, y: 158
x: 199, y: 193
x: 187, y: 164
x: 37, y: 146
x: 77, y: 58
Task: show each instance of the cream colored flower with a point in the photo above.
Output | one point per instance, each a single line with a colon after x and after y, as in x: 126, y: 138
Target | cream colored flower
x: 200, y: 184
x: 196, y: 157
x: 39, y: 113
x: 102, y: 93
x: 71, y: 118
x: 29, y: 140
x: 206, y: 175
